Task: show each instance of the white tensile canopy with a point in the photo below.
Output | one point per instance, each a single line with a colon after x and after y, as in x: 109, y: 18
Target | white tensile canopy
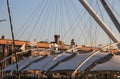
x: 73, y: 63
x: 112, y: 65
x: 63, y: 62
x: 48, y: 62
x: 40, y: 64
x: 21, y: 64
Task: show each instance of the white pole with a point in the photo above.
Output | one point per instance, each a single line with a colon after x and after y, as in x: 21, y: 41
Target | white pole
x: 99, y: 21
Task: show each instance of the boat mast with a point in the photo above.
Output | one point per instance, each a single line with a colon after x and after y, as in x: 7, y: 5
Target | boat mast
x: 13, y: 41
x: 111, y: 15
x: 100, y: 21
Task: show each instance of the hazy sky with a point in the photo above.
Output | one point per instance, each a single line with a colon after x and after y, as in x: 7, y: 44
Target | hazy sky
x: 42, y: 19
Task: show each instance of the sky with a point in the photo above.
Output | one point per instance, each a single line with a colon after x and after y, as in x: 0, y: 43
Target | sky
x: 40, y: 20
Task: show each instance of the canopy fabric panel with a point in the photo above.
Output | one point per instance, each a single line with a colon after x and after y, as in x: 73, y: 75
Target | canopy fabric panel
x: 21, y: 64
x: 92, y: 60
x: 46, y: 63
x: 112, y: 65
x: 76, y: 61
x: 64, y: 62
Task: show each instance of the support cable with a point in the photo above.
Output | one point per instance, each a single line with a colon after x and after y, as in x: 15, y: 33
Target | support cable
x: 38, y: 19
x: 29, y: 20
x: 51, y: 19
x: 45, y: 23
x: 112, y: 7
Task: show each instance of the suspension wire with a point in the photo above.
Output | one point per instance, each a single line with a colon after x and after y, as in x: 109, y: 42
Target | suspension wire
x: 36, y: 23
x: 45, y: 22
x: 97, y: 28
x: 28, y: 21
x: 67, y: 12
x: 74, y: 10
x: 83, y: 30
x: 61, y: 20
x: 56, y: 17
x: 65, y: 33
x: 101, y: 14
x: 110, y: 25
x: 70, y: 29
x: 88, y: 33
x: 68, y: 17
x: 71, y: 32
x: 100, y: 10
x: 116, y: 14
x: 95, y: 34
x: 92, y: 31
x: 41, y: 27
x: 113, y: 9
x: 87, y: 36
x: 110, y: 41
x: 51, y: 19
x: 74, y: 27
x: 91, y: 34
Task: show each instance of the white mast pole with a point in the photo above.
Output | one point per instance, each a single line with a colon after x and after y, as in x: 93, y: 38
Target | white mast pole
x: 99, y: 21
x: 111, y: 14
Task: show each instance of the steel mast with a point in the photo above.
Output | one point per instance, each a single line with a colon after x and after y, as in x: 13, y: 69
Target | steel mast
x: 111, y: 15
x: 102, y: 25
x: 100, y: 22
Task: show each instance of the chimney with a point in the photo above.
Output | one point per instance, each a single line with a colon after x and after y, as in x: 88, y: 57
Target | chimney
x: 2, y: 37
x: 57, y: 39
